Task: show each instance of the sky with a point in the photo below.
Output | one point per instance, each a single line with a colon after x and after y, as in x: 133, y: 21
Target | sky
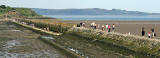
x: 131, y: 5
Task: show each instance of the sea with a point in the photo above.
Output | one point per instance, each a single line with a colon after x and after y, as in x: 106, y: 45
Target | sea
x: 109, y: 17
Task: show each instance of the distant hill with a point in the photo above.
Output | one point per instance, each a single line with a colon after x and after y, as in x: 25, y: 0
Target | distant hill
x: 19, y: 11
x: 91, y: 11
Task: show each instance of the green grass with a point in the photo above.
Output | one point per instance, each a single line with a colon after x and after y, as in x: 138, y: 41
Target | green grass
x: 16, y: 12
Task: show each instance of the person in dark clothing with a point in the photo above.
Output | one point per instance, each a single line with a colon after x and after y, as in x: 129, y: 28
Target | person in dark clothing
x: 109, y: 28
x: 78, y: 25
x: 153, y: 33
x: 81, y: 24
x: 152, y: 29
x: 143, y: 31
x: 95, y: 27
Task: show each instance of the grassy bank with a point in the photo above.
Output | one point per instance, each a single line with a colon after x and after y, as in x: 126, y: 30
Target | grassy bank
x: 37, y: 30
x: 54, y: 27
x: 143, y: 46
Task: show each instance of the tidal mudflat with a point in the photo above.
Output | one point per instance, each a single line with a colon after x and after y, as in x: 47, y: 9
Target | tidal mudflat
x: 18, y: 42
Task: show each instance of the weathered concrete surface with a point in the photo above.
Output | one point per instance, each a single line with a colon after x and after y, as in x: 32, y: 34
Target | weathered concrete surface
x: 17, y: 42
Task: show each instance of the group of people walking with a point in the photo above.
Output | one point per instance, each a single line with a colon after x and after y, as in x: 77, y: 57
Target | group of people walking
x: 93, y: 25
x: 82, y: 24
x: 151, y: 33
x: 104, y: 27
x: 108, y: 27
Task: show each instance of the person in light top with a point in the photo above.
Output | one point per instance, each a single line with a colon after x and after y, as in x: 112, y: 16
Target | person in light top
x: 129, y: 33
x: 149, y: 34
x: 103, y: 27
x: 95, y: 26
x: 92, y: 24
x: 83, y: 24
x: 106, y: 27
x: 113, y: 27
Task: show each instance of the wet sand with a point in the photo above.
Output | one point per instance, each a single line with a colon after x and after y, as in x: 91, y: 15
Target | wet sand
x: 134, y: 27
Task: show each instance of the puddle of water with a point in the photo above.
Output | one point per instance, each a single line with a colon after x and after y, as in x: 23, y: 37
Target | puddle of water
x: 34, y: 54
x: 47, y: 37
x: 77, y: 52
x: 15, y: 30
x: 11, y: 26
x: 13, y: 43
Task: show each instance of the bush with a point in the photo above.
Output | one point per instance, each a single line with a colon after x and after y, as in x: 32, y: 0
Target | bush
x: 60, y: 28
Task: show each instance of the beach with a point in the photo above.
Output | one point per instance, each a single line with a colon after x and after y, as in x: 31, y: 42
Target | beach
x: 134, y: 27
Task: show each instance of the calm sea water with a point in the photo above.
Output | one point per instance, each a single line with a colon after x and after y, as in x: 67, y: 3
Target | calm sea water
x: 107, y: 17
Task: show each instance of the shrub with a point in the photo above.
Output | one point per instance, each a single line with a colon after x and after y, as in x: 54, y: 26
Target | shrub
x: 57, y: 27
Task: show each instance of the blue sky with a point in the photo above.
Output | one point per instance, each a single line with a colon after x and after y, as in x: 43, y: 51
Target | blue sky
x: 133, y: 5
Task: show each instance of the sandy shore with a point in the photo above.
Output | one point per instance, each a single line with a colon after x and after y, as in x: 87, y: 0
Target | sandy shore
x: 134, y: 27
